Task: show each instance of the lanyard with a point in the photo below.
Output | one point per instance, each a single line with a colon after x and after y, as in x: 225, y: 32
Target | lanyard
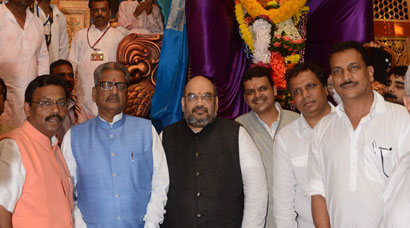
x: 49, y: 18
x: 96, y: 42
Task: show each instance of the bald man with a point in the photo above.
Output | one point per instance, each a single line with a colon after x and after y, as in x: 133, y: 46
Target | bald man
x: 216, y: 173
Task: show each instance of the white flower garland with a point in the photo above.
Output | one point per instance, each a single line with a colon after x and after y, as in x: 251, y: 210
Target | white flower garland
x: 289, y: 28
x: 261, y: 35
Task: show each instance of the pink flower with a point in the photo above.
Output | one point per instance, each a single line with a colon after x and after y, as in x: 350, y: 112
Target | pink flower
x: 298, y: 41
x: 285, y: 46
x: 287, y: 38
x: 278, y: 36
x: 276, y: 44
x: 290, y: 49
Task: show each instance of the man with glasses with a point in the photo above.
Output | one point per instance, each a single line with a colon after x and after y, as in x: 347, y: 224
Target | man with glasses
x: 354, y: 149
x: 35, y: 189
x: 77, y: 111
x: 217, y: 177
x: 116, y: 161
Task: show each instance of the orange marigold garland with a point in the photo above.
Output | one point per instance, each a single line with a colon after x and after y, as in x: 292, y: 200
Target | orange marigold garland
x: 278, y: 70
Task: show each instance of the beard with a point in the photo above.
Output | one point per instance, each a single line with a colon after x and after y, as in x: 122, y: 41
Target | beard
x: 199, y: 122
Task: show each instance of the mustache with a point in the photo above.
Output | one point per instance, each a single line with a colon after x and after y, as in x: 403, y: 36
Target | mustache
x: 200, y: 107
x: 113, y: 97
x: 99, y: 16
x: 390, y: 95
x: 347, y: 83
x: 59, y: 118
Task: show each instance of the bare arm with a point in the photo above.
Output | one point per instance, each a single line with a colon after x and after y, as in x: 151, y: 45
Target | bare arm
x: 5, y: 218
x: 319, y: 212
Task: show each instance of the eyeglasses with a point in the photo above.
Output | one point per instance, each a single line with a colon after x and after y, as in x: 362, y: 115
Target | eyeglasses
x: 206, y: 97
x: 50, y: 103
x: 107, y: 85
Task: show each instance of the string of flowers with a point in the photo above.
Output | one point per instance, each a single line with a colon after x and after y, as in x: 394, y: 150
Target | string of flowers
x: 277, y: 15
x: 246, y: 35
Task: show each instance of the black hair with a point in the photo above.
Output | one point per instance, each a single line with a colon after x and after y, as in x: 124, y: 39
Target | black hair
x: 59, y: 63
x: 301, y: 67
x: 399, y: 71
x: 258, y: 72
x: 3, y: 88
x: 348, y: 45
x: 42, y: 81
x: 90, y: 1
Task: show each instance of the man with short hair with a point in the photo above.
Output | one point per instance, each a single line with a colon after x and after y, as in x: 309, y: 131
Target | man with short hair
x: 116, y: 161
x: 54, y: 28
x: 36, y: 189
x: 23, y: 56
x: 354, y: 149
x: 91, y: 47
x: 264, y: 120
x: 217, y: 177
x: 77, y: 112
x: 395, y: 85
x: 291, y: 207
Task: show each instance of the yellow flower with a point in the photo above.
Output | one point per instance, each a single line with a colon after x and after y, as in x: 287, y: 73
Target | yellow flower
x: 284, y: 12
x: 246, y: 36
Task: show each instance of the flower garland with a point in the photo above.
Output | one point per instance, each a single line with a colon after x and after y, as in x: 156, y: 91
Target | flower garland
x: 284, y: 12
x: 246, y: 35
x: 261, y: 30
x: 279, y: 70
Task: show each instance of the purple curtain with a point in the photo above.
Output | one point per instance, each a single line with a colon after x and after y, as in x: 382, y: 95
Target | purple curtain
x: 215, y: 51
x: 333, y: 21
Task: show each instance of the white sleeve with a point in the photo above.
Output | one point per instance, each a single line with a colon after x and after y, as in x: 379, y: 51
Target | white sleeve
x: 284, y: 186
x: 315, y: 182
x: 255, y: 186
x: 12, y: 174
x: 63, y: 49
x: 154, y: 20
x: 72, y: 168
x: 74, y: 55
x: 123, y: 20
x: 160, y: 184
x: 43, y: 58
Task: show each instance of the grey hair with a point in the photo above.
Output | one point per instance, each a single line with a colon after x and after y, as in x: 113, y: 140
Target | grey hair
x: 110, y: 66
x: 407, y: 82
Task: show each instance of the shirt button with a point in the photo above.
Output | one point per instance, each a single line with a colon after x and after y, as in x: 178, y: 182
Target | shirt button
x: 111, y: 136
x: 118, y: 218
x: 198, y: 215
x: 114, y: 174
x: 198, y: 194
x: 197, y: 174
x: 113, y: 154
x: 116, y: 195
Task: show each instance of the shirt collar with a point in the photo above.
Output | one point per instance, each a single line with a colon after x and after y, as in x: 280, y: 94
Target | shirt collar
x: 378, y: 106
x: 96, y: 29
x: 303, y: 124
x: 116, y: 118
x: 279, y: 108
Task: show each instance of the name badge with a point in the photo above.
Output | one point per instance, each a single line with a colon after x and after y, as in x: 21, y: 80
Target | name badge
x: 98, y: 56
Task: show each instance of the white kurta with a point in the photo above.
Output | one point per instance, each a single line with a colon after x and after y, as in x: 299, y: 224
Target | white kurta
x: 80, y: 57
x: 23, y: 56
x: 291, y: 206
x: 144, y: 23
x: 58, y: 48
x: 350, y: 167
x: 396, y: 196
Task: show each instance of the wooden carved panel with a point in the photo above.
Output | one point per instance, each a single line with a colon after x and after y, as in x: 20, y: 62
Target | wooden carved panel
x: 140, y: 54
x: 77, y: 16
x: 400, y: 47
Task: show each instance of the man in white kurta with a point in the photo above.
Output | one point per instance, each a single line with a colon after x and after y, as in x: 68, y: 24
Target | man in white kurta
x: 23, y: 57
x: 145, y: 20
x: 291, y: 207
x: 55, y: 26
x: 354, y: 150
x: 91, y: 47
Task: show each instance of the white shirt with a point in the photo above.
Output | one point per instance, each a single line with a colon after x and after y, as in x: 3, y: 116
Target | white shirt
x: 345, y: 164
x: 255, y: 186
x: 144, y: 23
x: 291, y: 206
x: 271, y: 129
x: 23, y: 56
x: 12, y: 173
x: 396, y: 196
x: 160, y: 179
x: 80, y: 57
x: 58, y: 48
